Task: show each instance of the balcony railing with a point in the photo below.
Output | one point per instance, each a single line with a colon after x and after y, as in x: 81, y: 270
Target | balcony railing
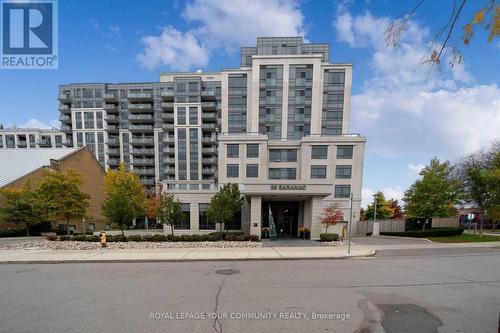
x: 110, y: 108
x: 142, y: 107
x: 208, y: 126
x: 208, y: 116
x: 65, y: 118
x: 108, y: 97
x: 148, y: 182
x: 114, y: 152
x: 141, y: 118
x: 208, y: 160
x: 142, y: 141
x: 141, y: 128
x: 167, y: 105
x: 169, y: 171
x: 208, y: 94
x: 169, y: 150
x: 145, y: 151
x: 143, y: 161
x: 64, y: 108
x: 22, y: 144
x: 112, y: 128
x: 208, y: 139
x: 65, y: 128
x: 168, y: 139
x: 113, y: 142
x: 169, y: 160
x: 140, y: 96
x: 167, y: 116
x: 64, y: 98
x: 208, y: 105
x: 208, y: 171
x: 168, y: 126
x: 112, y: 118
x: 167, y: 95
x: 114, y: 162
x: 210, y: 150
x: 147, y: 172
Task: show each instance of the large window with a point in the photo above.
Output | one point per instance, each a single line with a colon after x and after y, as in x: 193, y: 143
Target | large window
x: 79, y: 139
x: 78, y: 120
x: 344, y: 152
x: 342, y: 191
x: 193, y: 115
x: 252, y: 170
x: 283, y: 155
x: 181, y: 115
x: 89, y: 120
x: 318, y: 171
x: 233, y: 170
x: 33, y: 142
x: 252, y: 150
x: 185, y: 223
x: 58, y: 141
x: 98, y: 116
x: 282, y: 173
x: 1, y: 141
x: 343, y: 171
x: 182, y: 155
x: 204, y: 223
x: 319, y: 152
x: 233, y: 151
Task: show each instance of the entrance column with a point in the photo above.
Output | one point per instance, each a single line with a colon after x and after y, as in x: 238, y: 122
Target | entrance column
x: 255, y: 215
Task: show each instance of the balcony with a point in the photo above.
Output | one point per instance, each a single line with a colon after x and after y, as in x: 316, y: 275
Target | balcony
x: 208, y: 127
x: 112, y: 118
x: 208, y: 106
x: 113, y: 142
x: 45, y: 143
x: 110, y: 108
x: 112, y: 128
x: 141, y: 128
x: 167, y: 106
x: 66, y: 128
x: 167, y: 116
x: 144, y: 151
x: 114, y: 152
x: 148, y: 181
x: 64, y: 98
x: 167, y: 95
x: 169, y: 171
x: 141, y: 118
x: 168, y: 150
x: 22, y: 144
x: 145, y: 172
x: 142, y: 141
x: 141, y: 107
x: 169, y: 160
x: 208, y: 95
x: 64, y: 108
x: 168, y: 139
x: 65, y: 119
x: 208, y: 171
x: 208, y: 139
x: 140, y: 97
x: 143, y: 162
x: 167, y: 126
x: 114, y: 162
x: 208, y: 116
x: 209, y: 150
x: 110, y: 98
x: 210, y: 160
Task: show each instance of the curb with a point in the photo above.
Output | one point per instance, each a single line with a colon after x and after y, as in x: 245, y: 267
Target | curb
x: 115, y: 261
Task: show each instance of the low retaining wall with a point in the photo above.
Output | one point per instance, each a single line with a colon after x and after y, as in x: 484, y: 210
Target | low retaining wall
x: 398, y: 225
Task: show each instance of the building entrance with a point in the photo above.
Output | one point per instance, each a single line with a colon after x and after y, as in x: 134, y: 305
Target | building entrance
x: 285, y: 215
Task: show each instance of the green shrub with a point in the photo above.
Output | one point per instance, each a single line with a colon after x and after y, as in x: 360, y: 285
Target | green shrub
x: 13, y: 233
x: 109, y: 238
x: 159, y: 238
x: 229, y: 238
x: 212, y: 238
x: 147, y: 238
x: 241, y: 238
x: 119, y: 238
x: 254, y: 238
x: 186, y: 238
x: 64, y: 238
x: 78, y: 238
x: 92, y: 238
x: 52, y: 238
x: 434, y: 232
x: 328, y: 237
x: 134, y: 238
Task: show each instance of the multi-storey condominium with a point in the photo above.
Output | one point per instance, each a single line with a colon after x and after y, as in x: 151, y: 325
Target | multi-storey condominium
x: 29, y: 138
x: 278, y: 126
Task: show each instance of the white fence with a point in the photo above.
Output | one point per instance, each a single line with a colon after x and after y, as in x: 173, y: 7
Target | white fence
x: 398, y: 225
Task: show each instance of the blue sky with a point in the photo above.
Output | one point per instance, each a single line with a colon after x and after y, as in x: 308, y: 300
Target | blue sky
x: 408, y: 113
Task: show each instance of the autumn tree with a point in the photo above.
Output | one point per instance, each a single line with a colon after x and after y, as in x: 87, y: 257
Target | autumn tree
x: 123, y: 187
x: 384, y: 208
x: 61, y: 197
x: 331, y: 215
x: 152, y: 205
x: 436, y: 192
x: 450, y: 27
x: 224, y: 204
x: 21, y: 207
x: 396, y: 209
x: 169, y: 210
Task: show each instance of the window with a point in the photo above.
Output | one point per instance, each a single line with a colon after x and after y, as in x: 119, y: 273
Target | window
x: 10, y: 141
x: 343, y: 171
x: 252, y: 150
x: 233, y: 151
x: 100, y: 147
x: 344, y: 152
x: 91, y: 226
x: 185, y: 223
x: 98, y: 116
x: 1, y: 141
x: 283, y: 155
x: 89, y: 120
x: 79, y: 139
x: 319, y: 152
x: 193, y: 115
x: 58, y: 140
x: 282, y: 173
x: 204, y: 223
x: 181, y: 116
x: 78, y: 117
x: 318, y: 171
x: 252, y: 170
x: 193, y: 86
x: 233, y: 171
x: 33, y: 143
x: 342, y: 191
x: 90, y: 141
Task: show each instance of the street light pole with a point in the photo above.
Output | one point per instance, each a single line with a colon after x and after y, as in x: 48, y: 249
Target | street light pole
x: 350, y: 223
x: 376, y: 229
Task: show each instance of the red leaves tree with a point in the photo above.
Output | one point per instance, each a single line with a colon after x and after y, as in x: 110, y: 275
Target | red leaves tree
x: 398, y: 212
x: 331, y: 215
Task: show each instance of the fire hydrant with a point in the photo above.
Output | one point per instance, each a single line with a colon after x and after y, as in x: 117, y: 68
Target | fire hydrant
x: 102, y: 237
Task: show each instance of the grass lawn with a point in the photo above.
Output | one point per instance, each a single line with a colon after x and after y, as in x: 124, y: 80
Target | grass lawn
x: 465, y: 238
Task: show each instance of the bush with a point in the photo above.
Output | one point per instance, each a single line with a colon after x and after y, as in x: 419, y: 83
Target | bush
x: 173, y: 238
x: 78, y: 238
x: 64, y: 238
x: 159, y: 238
x: 369, y: 233
x: 135, y: 238
x: 13, y: 233
x: 212, y: 238
x: 119, y: 238
x: 52, y: 238
x: 109, y: 238
x: 92, y: 238
x: 434, y: 232
x: 328, y: 237
x: 186, y: 238
x: 241, y: 238
x: 229, y: 238
x: 147, y: 238
x: 254, y: 238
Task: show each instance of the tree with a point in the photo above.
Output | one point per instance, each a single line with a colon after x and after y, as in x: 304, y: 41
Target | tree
x: 331, y: 215
x: 486, y: 13
x: 384, y: 208
x: 21, y: 207
x: 362, y: 214
x: 169, y: 210
x: 61, y: 197
x: 397, y: 210
x: 224, y: 204
x: 123, y: 187
x: 479, y: 173
x: 151, y: 206
x: 435, y: 194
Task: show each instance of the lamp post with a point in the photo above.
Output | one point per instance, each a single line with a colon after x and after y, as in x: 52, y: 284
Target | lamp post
x: 350, y: 223
x: 376, y: 226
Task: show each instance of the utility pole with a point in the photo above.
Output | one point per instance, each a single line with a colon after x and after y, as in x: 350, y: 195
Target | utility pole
x: 350, y: 223
x: 376, y: 227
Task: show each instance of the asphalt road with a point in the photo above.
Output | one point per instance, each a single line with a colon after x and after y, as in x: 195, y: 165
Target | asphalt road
x: 427, y: 293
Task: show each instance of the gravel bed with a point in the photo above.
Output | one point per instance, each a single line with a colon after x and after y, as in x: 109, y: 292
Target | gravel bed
x: 75, y: 245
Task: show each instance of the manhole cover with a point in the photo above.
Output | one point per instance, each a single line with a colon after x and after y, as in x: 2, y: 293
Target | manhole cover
x: 227, y: 271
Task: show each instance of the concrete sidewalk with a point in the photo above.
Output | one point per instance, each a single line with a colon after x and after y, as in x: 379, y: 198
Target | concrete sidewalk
x: 184, y: 254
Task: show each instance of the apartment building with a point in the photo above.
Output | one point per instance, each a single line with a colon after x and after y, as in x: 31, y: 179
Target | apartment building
x: 278, y: 126
x: 29, y: 138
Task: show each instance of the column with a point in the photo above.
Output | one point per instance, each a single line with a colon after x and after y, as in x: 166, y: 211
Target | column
x: 255, y: 215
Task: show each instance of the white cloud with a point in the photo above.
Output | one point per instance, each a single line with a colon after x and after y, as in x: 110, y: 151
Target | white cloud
x: 173, y: 48
x: 428, y: 111
x: 115, y: 31
x: 35, y: 123
x: 223, y: 24
x: 414, y: 169
x: 389, y: 193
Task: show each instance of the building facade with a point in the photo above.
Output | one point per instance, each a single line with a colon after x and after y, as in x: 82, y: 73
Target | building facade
x: 30, y: 138
x: 278, y: 126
